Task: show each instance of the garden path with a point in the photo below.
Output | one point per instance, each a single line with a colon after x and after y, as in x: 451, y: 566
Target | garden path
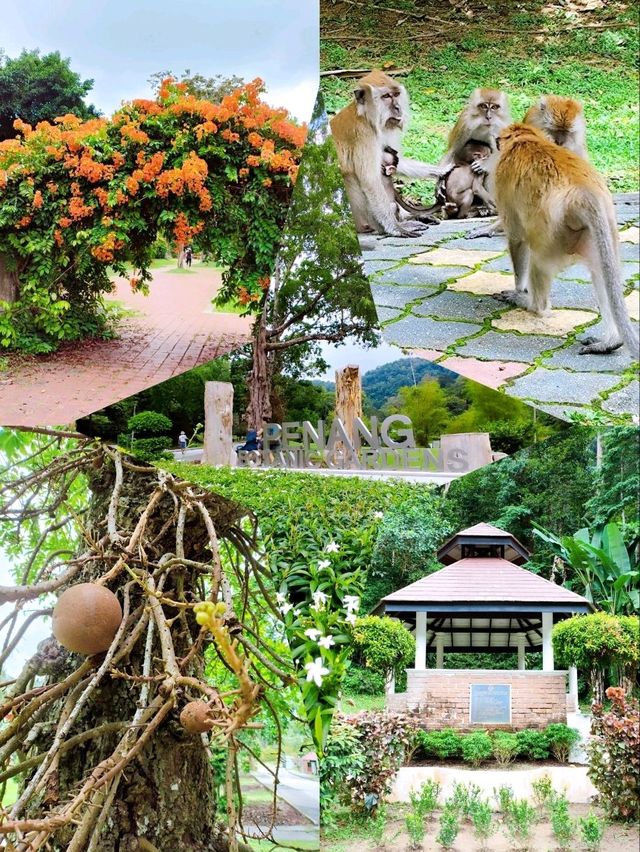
x: 436, y: 294
x: 166, y: 333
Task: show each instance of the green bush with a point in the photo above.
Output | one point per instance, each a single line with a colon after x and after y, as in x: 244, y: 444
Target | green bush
x: 147, y: 449
x: 542, y: 791
x: 561, y: 738
x: 614, y: 756
x: 564, y: 828
x: 519, y: 819
x: 482, y: 819
x: 149, y: 423
x: 441, y: 744
x: 359, y: 681
x: 591, y: 831
x: 449, y: 827
x: 425, y: 800
x: 464, y: 799
x: 382, y: 644
x: 160, y: 248
x: 533, y: 744
x: 415, y: 830
x: 477, y: 747
x: 505, y: 747
x: 504, y: 797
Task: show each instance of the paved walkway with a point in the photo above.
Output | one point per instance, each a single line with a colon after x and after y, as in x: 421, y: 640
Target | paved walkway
x: 302, y: 792
x: 436, y: 293
x: 172, y: 330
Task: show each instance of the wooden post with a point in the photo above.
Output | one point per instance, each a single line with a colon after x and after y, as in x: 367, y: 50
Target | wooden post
x: 218, y: 423
x: 348, y: 397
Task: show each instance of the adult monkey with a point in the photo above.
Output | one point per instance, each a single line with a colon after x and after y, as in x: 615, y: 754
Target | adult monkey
x: 554, y: 206
x: 376, y: 119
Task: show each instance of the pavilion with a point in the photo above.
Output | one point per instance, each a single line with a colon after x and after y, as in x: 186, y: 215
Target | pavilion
x: 483, y: 600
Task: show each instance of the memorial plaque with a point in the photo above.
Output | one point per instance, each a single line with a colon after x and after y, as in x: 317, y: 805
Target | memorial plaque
x: 490, y: 704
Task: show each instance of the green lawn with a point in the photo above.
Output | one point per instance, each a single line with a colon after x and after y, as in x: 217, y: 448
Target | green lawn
x: 596, y: 66
x: 356, y: 703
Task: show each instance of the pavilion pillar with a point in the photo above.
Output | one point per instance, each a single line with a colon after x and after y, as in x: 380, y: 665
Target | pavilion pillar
x: 547, y: 644
x: 521, y: 657
x: 439, y: 651
x: 421, y: 641
x: 573, y: 689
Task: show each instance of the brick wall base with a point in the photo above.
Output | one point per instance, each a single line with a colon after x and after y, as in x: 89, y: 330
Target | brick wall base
x: 442, y: 697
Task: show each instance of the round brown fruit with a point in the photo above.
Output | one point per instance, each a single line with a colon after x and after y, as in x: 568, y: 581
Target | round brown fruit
x: 196, y: 717
x: 86, y: 618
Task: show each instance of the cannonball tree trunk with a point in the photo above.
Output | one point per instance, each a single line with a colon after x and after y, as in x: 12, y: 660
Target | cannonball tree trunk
x: 8, y: 282
x: 259, y: 407
x: 163, y: 797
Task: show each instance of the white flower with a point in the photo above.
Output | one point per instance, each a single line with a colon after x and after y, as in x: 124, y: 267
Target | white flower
x: 351, y: 618
x: 316, y: 671
x: 332, y: 547
x: 324, y: 563
x: 378, y: 515
x: 280, y: 598
x: 352, y: 603
x: 285, y: 608
x: 326, y: 641
x: 319, y: 600
x: 313, y: 634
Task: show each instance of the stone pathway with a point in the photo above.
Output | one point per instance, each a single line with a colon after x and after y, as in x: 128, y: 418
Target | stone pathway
x: 437, y: 294
x: 170, y: 331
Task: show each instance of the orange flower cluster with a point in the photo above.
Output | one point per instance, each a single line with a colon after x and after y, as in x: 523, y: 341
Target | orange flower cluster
x: 105, y: 251
x: 78, y: 209
x: 245, y: 297
x: 191, y: 175
x: 132, y: 133
x: 38, y: 200
x: 57, y: 236
x: 183, y: 231
x: 22, y: 223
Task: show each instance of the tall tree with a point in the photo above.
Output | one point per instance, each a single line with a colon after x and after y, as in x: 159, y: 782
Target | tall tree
x: 207, y: 88
x: 318, y: 291
x: 39, y: 88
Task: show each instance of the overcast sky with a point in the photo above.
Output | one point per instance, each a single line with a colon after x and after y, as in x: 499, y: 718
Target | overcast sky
x: 120, y: 43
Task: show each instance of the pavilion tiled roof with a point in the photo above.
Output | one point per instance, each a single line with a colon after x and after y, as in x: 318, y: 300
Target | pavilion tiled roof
x: 484, y: 580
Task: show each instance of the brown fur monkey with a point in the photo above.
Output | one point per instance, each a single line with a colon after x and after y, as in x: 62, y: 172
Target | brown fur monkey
x: 390, y: 160
x: 459, y: 190
x: 485, y: 114
x: 376, y: 118
x: 561, y: 120
x: 554, y: 206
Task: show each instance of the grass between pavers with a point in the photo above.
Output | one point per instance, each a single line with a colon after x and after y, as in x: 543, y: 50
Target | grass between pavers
x: 595, y: 66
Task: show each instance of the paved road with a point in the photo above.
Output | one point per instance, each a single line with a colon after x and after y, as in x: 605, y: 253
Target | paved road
x: 436, y: 294
x: 302, y: 792
x: 173, y: 329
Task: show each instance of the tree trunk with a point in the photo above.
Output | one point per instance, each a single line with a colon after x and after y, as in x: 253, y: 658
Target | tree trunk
x: 8, y: 283
x: 165, y: 799
x: 259, y: 407
x: 597, y: 686
x: 348, y: 397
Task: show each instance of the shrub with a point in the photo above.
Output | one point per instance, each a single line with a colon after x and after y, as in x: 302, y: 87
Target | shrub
x: 591, y: 831
x: 477, y: 747
x: 425, y: 800
x: 449, y: 827
x: 382, y: 644
x: 482, y: 819
x: 561, y: 823
x: 519, y: 819
x: 505, y: 747
x: 614, y: 756
x: 533, y: 744
x: 359, y: 681
x: 504, y: 797
x: 442, y: 744
x: 147, y: 449
x: 465, y: 798
x: 160, y: 248
x: 415, y: 830
x: 343, y: 758
x: 542, y: 791
x: 561, y: 738
x: 149, y: 423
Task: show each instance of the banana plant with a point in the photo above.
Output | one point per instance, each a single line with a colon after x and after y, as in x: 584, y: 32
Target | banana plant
x: 605, y: 568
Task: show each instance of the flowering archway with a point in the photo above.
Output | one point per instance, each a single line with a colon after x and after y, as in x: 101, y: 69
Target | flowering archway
x: 81, y: 199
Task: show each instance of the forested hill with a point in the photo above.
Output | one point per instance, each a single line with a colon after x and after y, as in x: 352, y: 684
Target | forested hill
x: 383, y: 383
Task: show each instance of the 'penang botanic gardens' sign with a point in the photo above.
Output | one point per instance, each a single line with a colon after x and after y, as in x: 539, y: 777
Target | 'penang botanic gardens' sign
x: 389, y: 445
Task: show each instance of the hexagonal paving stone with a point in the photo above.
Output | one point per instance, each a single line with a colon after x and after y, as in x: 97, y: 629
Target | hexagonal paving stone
x: 630, y: 272
x: 387, y: 251
x: 391, y: 296
x: 562, y: 386
x: 483, y: 283
x: 632, y: 302
x: 500, y: 264
x: 575, y: 272
x: 573, y: 294
x: 614, y: 362
x: 490, y: 373
x: 386, y: 314
x: 560, y: 410
x: 624, y: 401
x: 448, y: 305
x: 559, y: 322
x: 630, y: 251
x: 491, y: 244
x: 428, y: 275
x: 372, y: 266
x: 427, y: 333
x: 630, y: 235
x: 454, y: 257
x: 508, y: 347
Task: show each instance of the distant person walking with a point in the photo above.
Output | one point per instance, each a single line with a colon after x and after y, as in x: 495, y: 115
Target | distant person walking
x: 182, y: 441
x: 188, y: 255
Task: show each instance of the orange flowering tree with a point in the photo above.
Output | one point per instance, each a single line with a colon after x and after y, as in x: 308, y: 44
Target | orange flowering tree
x: 82, y: 199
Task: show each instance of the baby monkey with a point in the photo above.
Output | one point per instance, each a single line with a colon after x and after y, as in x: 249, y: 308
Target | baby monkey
x: 462, y: 186
x: 390, y: 160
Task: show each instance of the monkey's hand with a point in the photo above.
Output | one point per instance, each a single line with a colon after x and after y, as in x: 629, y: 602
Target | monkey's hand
x: 479, y: 167
x: 594, y: 346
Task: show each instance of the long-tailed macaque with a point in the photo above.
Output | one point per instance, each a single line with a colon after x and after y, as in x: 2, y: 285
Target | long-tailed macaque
x: 554, y: 206
x: 486, y: 113
x: 376, y: 118
x: 561, y: 120
x: 459, y: 191
x: 390, y: 160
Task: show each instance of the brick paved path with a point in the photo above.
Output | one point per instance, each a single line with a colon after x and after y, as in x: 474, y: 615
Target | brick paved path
x: 436, y: 293
x: 173, y: 329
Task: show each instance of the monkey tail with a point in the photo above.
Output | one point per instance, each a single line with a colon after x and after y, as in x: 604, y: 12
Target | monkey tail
x: 603, y: 227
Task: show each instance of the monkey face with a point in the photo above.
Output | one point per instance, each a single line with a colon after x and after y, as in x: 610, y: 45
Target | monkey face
x: 385, y: 106
x: 490, y: 108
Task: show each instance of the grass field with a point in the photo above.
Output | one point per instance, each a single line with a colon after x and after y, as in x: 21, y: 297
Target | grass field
x: 516, y: 47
